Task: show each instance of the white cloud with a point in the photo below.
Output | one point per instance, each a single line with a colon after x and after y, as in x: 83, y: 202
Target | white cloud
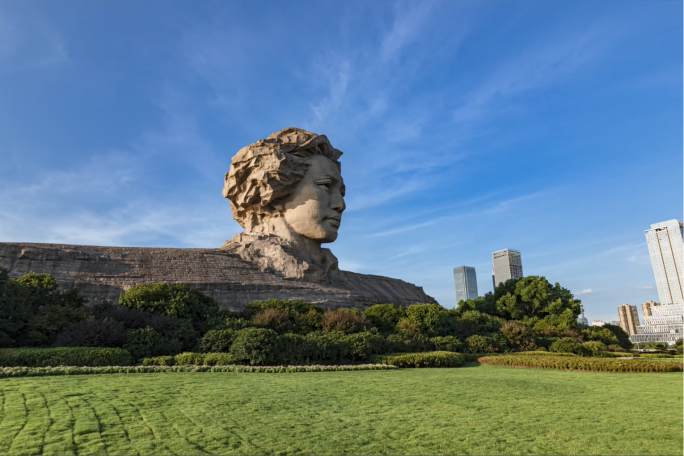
x: 586, y: 292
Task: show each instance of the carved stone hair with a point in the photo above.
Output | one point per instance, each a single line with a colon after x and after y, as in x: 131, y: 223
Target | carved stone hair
x: 269, y: 170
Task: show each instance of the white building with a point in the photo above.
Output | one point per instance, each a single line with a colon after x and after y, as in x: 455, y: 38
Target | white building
x: 666, y: 247
x: 666, y: 321
x: 507, y: 265
x: 597, y: 323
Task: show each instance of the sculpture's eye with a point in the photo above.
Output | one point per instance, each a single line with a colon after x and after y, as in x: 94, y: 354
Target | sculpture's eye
x: 324, y: 183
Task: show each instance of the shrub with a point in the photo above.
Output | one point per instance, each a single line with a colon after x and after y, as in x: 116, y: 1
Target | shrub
x: 446, y: 343
x: 236, y: 324
x: 479, y: 323
x: 309, y: 321
x: 218, y: 341
x: 159, y: 361
x: 566, y: 345
x: 593, y: 348
x: 518, y: 337
x: 344, y: 320
x: 177, y: 301
x: 385, y: 316
x: 79, y: 356
x: 409, y: 343
x: 621, y: 335
x: 92, y: 333
x: 364, y: 344
x: 427, y: 359
x: 275, y: 319
x: 406, y: 326
x: 291, y: 307
x: 330, y: 347
x: 256, y: 346
x: 49, y: 321
x: 148, y: 343
x: 580, y: 363
x: 600, y: 334
x: 432, y: 319
x: 485, y: 344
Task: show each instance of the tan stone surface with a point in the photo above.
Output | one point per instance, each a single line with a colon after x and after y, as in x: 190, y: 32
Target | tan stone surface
x: 105, y: 272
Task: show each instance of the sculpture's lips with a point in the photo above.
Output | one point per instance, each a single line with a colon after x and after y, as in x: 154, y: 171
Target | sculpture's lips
x: 336, y: 220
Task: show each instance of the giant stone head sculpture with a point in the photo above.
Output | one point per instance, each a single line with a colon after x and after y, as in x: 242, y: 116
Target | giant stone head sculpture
x: 288, y: 186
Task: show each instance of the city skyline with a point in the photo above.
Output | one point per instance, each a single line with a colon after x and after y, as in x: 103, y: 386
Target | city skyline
x: 465, y: 127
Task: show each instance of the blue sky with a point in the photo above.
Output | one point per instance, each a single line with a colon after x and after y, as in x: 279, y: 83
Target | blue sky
x: 554, y: 128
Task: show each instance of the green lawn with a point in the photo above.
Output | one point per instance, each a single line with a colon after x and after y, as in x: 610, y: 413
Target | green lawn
x: 468, y: 410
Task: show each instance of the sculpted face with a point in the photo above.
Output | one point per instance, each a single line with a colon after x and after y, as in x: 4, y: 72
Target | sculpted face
x: 315, y: 208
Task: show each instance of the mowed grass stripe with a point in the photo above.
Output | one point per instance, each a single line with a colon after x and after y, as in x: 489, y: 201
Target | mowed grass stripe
x: 29, y: 439
x: 13, y: 420
x: 470, y: 410
x: 59, y: 438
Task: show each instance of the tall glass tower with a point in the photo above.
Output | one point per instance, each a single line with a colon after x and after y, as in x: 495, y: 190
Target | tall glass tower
x: 465, y: 283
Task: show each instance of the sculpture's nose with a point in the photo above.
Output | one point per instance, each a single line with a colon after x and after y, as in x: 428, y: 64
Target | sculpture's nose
x: 337, y: 203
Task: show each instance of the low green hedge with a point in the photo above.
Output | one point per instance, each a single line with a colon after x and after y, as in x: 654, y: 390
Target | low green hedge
x: 543, y: 353
x: 191, y: 359
x: 425, y: 359
x: 658, y: 355
x: 69, y: 370
x: 66, y: 356
x: 582, y: 363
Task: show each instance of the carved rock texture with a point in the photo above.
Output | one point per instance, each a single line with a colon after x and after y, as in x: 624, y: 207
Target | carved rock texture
x: 106, y: 272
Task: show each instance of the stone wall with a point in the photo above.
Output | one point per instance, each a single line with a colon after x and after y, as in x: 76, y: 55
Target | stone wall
x: 103, y: 273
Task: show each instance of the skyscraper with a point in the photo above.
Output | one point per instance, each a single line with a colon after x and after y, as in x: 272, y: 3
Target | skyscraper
x: 507, y: 265
x: 664, y: 321
x: 629, y: 318
x: 666, y: 247
x: 465, y: 283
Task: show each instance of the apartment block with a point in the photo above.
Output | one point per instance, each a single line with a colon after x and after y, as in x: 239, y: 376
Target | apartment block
x: 507, y: 265
x: 648, y: 306
x: 629, y: 318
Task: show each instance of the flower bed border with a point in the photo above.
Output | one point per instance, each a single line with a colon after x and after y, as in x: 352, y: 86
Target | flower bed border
x: 608, y: 365
x: 10, y: 372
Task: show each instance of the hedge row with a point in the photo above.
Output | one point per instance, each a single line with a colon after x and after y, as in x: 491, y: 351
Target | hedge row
x: 581, y: 363
x: 51, y: 371
x: 191, y: 359
x: 657, y: 355
x: 71, y: 356
x: 426, y: 359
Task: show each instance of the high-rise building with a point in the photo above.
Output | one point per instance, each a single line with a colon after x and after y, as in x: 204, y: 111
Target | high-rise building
x: 647, y: 306
x: 465, y: 282
x: 664, y: 321
x: 666, y: 247
x: 507, y: 265
x: 629, y: 318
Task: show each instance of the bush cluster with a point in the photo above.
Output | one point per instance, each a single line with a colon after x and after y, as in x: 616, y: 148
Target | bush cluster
x: 6, y: 372
x: 40, y: 357
x: 191, y: 359
x: 425, y: 359
x: 583, y: 363
x: 161, y: 322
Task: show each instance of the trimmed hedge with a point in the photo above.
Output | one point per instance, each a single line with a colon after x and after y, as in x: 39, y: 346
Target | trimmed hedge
x: 426, y: 359
x: 65, y: 356
x: 191, y: 359
x: 581, y: 363
x: 657, y: 355
x: 51, y: 371
x: 542, y: 353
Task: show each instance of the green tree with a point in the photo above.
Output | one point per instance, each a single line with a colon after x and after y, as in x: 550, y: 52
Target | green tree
x: 385, y: 316
x: 177, y: 301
